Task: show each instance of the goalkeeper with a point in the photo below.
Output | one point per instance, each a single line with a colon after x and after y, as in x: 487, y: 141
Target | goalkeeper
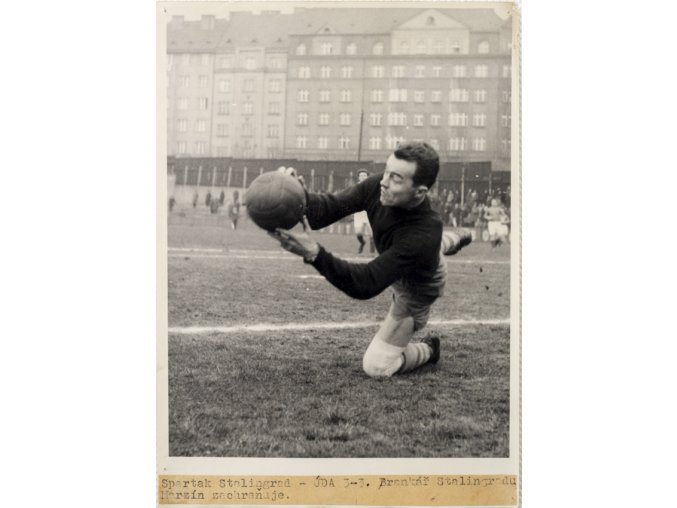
x: 410, y: 242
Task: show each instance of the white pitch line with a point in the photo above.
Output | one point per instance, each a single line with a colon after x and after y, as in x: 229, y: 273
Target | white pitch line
x: 272, y: 327
x: 281, y: 257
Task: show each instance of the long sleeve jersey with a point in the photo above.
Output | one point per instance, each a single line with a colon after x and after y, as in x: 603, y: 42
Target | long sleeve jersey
x: 408, y: 240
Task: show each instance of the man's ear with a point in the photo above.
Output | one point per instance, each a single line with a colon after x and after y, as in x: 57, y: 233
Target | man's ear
x: 421, y: 191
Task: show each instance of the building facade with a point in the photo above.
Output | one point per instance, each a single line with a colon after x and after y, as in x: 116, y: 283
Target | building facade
x: 325, y: 84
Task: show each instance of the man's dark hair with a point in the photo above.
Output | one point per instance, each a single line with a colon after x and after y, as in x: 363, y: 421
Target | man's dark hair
x: 426, y: 159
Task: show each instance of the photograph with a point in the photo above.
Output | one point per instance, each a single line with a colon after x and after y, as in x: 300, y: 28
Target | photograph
x: 342, y: 230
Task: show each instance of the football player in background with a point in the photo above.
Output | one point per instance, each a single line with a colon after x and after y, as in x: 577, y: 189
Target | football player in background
x: 361, y: 221
x: 410, y: 242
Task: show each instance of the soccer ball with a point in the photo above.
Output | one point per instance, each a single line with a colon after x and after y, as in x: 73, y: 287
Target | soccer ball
x: 275, y: 200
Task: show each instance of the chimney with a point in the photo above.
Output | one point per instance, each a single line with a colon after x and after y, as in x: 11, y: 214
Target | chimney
x: 207, y: 22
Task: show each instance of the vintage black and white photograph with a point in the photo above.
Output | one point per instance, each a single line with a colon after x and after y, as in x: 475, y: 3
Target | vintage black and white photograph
x: 342, y: 230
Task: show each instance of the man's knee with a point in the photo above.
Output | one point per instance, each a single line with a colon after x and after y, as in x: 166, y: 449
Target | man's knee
x: 382, y: 359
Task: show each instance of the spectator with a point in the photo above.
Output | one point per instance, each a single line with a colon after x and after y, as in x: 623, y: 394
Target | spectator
x: 196, y: 197
x: 222, y: 197
x: 208, y: 198
x: 172, y: 202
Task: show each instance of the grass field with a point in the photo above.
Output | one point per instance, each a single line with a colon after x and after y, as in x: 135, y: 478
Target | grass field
x: 301, y: 392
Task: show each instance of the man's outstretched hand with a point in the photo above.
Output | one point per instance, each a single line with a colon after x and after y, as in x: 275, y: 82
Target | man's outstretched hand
x: 299, y: 243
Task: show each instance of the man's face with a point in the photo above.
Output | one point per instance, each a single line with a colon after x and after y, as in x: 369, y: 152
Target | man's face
x: 361, y: 177
x: 397, y: 184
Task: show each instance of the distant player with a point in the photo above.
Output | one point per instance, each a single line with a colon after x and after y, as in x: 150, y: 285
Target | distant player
x: 234, y: 210
x: 361, y: 221
x: 497, y: 223
x: 410, y: 241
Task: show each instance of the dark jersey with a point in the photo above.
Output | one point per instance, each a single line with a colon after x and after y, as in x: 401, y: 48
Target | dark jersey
x: 408, y: 241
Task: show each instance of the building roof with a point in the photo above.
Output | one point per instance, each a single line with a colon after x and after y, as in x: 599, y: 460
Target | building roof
x: 271, y: 28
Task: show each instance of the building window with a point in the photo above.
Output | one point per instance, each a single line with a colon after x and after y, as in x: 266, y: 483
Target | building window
x: 304, y: 72
x: 247, y: 108
x: 435, y: 144
x: 222, y: 130
x: 276, y: 63
x: 459, y: 71
x: 375, y: 119
x: 375, y: 143
x: 326, y: 48
x: 323, y: 142
x: 507, y: 71
x: 481, y: 71
x: 480, y: 95
x: 344, y: 143
x: 418, y: 120
x: 224, y: 62
x: 351, y: 49
x: 222, y: 108
x: 377, y: 71
x: 250, y: 64
x: 248, y: 85
x: 346, y: 95
x: 184, y: 81
x: 377, y: 48
x: 325, y: 72
x: 397, y: 95
x: 204, y: 59
x: 185, y: 60
x: 436, y: 96
x: 200, y: 147
x: 397, y: 119
x: 479, y: 144
x: 505, y: 96
x: 273, y: 108
x: 182, y: 125
x: 201, y: 125
x: 183, y: 103
x: 458, y: 119
x: 376, y: 95
x: 458, y: 144
x: 302, y: 96
x: 323, y: 119
x: 181, y: 147
x: 223, y: 151
x: 325, y: 95
x: 344, y: 119
x: 301, y: 141
x: 346, y: 72
x: 274, y: 85
x: 419, y: 96
x: 455, y: 47
x: 437, y: 71
x: 224, y: 85
x: 393, y: 141
x: 458, y: 95
x: 505, y: 120
x: 301, y: 49
x: 398, y: 71
x: 203, y: 103
x: 483, y: 47
x: 420, y: 71
x: 434, y: 120
x: 203, y: 81
x: 247, y: 129
x: 302, y: 119
x: 438, y: 47
x: 273, y: 130
x: 421, y: 47
x: 404, y: 47
x: 505, y: 145
x: 479, y: 120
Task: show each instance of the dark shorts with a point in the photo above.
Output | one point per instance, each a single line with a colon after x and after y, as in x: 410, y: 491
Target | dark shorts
x: 416, y: 300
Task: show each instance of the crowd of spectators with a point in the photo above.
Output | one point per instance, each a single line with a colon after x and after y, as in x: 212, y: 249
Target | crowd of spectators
x: 469, y: 211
